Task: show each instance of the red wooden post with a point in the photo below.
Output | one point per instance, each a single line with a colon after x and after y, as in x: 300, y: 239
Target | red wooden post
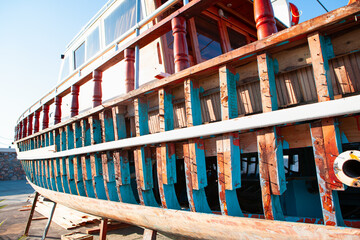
x: 20, y: 130
x: 264, y: 18
x: 181, y: 56
x: 46, y: 116
x: 57, y: 117
x: 24, y: 134
x: 129, y: 69
x: 97, y: 97
x: 30, y: 124
x: 37, y: 121
x: 75, y: 100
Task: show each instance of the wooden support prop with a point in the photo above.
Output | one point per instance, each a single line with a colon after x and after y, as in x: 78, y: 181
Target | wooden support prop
x: 271, y: 161
x: 30, y: 124
x: 228, y: 149
x: 142, y: 156
x: 149, y: 234
x: 264, y: 18
x: 31, y: 214
x: 129, y: 58
x: 95, y: 159
x: 97, y: 96
x: 57, y: 117
x: 75, y: 100
x: 37, y: 121
x: 325, y: 134
x: 49, y: 221
x: 165, y: 154
x: 181, y: 56
x: 194, y: 152
x: 103, y: 228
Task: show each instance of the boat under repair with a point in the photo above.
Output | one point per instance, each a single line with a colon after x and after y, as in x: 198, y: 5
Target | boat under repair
x: 208, y: 119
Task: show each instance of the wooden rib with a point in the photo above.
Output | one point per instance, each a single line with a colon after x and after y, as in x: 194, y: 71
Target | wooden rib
x: 272, y: 172
x: 84, y: 174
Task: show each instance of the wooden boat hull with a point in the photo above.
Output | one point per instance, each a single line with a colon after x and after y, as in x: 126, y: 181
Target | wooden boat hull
x: 252, y: 133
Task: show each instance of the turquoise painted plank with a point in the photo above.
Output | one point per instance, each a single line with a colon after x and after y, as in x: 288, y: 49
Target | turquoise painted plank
x: 109, y: 126
x: 280, y: 161
x: 89, y: 185
x: 80, y: 183
x: 272, y: 84
x: 232, y: 94
x: 58, y: 178
x: 71, y: 176
x: 64, y: 176
x: 53, y: 183
x: 99, y: 179
x: 121, y: 126
x: 168, y: 111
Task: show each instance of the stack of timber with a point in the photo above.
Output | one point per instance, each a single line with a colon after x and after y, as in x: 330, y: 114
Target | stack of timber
x: 65, y: 217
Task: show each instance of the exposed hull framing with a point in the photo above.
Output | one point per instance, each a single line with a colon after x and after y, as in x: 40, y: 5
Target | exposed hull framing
x: 252, y: 133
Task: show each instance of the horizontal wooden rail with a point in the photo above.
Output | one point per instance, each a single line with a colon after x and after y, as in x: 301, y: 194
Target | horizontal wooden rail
x: 344, y: 106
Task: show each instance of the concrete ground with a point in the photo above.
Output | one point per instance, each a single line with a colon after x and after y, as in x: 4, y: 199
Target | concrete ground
x: 16, y: 194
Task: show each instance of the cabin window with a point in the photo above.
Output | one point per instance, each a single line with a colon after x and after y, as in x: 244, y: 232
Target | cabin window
x: 65, y: 69
x: 208, y: 37
x: 236, y: 39
x: 79, y: 56
x: 92, y: 44
x: 120, y: 20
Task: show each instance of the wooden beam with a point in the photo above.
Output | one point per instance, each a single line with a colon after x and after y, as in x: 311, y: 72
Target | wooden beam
x: 228, y: 150
x: 142, y: 155
x: 165, y: 153
x: 271, y: 163
x: 325, y: 134
x: 194, y: 155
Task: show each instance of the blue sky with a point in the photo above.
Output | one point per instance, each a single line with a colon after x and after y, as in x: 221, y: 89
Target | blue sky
x: 35, y: 33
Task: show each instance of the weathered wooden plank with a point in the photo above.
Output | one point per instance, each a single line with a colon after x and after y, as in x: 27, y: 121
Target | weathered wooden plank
x: 329, y: 200
x: 194, y: 152
x: 142, y: 156
x: 325, y: 134
x: 271, y: 163
x: 228, y: 151
x: 165, y: 153
x: 271, y: 202
x: 95, y: 159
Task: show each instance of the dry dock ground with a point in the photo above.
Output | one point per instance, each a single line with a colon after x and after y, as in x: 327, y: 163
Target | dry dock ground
x: 16, y: 194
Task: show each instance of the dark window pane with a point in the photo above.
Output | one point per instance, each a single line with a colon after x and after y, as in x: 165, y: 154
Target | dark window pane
x: 121, y: 20
x: 92, y: 44
x: 65, y: 69
x: 208, y: 37
x: 79, y: 56
x: 236, y: 39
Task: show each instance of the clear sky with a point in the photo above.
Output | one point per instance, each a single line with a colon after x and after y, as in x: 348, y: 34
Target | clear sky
x: 35, y: 33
